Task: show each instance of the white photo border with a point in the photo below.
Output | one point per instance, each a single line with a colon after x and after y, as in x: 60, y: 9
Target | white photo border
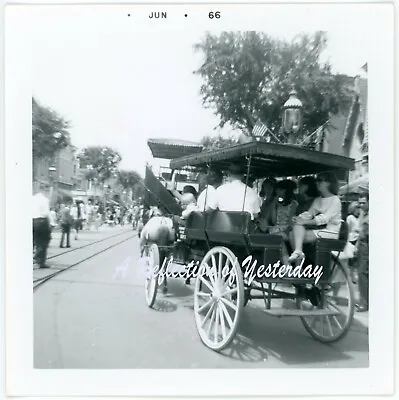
x: 23, y: 380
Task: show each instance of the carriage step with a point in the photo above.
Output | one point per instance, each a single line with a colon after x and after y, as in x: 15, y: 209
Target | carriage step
x: 283, y: 312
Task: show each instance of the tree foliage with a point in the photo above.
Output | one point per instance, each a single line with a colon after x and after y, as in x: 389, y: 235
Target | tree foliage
x: 101, y: 162
x: 217, y: 142
x: 49, y: 132
x: 128, y: 179
x: 248, y: 77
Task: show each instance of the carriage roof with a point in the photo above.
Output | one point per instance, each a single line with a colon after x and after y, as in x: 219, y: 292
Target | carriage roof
x: 268, y: 159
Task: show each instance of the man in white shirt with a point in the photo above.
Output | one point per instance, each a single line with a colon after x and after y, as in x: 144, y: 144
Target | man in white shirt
x: 41, y: 224
x: 208, y: 200
x: 236, y: 195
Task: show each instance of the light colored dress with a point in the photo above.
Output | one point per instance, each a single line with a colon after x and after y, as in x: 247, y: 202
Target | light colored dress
x: 325, y: 211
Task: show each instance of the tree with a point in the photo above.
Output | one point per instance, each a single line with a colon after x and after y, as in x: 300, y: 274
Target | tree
x: 248, y: 77
x: 49, y: 132
x: 127, y: 179
x: 101, y: 162
x: 217, y: 142
x: 138, y: 190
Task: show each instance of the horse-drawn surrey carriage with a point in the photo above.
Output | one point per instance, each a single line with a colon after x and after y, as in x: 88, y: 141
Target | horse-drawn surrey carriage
x: 220, y: 247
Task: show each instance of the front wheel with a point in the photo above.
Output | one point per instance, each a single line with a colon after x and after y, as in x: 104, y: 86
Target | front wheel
x: 218, y: 298
x: 151, y: 252
x: 337, y: 296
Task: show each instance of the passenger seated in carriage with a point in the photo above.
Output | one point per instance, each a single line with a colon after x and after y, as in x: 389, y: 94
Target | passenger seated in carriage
x: 267, y: 193
x: 307, y: 192
x: 236, y: 195
x: 207, y: 200
x: 188, y: 204
x: 283, y: 209
x: 323, y: 219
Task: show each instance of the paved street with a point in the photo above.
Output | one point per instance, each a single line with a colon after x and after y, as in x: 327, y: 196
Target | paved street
x: 94, y: 316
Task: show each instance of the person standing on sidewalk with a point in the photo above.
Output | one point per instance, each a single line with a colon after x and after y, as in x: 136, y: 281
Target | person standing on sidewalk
x: 76, y: 215
x: 363, y: 255
x: 53, y: 219
x: 41, y: 224
x: 66, y: 223
x: 89, y: 214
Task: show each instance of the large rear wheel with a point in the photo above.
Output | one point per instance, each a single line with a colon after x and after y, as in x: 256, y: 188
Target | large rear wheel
x: 336, y: 296
x: 151, y: 252
x: 218, y: 298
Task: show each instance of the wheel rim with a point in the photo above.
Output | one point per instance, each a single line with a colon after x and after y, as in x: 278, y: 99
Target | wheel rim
x: 338, y: 297
x: 151, y: 281
x: 218, y: 298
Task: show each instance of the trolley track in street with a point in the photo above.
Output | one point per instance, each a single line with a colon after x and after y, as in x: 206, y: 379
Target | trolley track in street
x: 86, y: 245
x: 37, y: 282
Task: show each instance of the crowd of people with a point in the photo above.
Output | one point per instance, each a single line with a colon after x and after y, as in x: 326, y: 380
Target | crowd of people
x: 70, y: 217
x: 301, y: 212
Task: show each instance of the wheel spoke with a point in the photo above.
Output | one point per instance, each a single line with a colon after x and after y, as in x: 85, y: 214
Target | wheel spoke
x: 226, y: 266
x: 337, y: 322
x: 314, y: 323
x: 222, y: 322
x: 230, y: 291
x: 227, y: 315
x: 206, y: 283
x: 211, y: 322
x: 220, y: 267
x: 335, y: 307
x: 207, y: 315
x: 329, y: 325
x: 209, y: 274
x: 229, y: 303
x: 202, y: 308
x: 216, y: 332
x: 203, y: 294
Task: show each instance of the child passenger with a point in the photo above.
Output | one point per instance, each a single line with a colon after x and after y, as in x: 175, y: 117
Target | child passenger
x: 284, y: 208
x: 189, y: 205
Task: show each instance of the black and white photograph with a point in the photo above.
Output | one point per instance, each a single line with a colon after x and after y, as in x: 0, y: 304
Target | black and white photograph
x: 197, y: 180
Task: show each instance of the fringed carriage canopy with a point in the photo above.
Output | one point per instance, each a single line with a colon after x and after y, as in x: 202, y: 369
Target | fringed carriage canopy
x: 268, y: 159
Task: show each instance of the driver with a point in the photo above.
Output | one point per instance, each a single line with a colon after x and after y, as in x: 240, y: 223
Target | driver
x: 236, y: 195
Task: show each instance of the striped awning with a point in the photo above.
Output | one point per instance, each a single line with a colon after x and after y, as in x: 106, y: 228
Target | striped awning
x: 172, y: 148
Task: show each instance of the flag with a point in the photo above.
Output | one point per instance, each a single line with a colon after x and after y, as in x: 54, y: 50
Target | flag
x: 364, y: 67
x: 259, y: 129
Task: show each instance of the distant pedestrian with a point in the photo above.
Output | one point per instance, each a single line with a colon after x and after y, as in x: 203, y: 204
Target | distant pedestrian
x: 41, y: 224
x: 66, y: 223
x: 76, y: 214
x: 363, y: 255
x: 89, y: 214
x: 82, y: 213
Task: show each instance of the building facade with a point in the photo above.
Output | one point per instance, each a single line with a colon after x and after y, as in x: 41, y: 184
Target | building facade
x: 59, y: 172
x: 347, y: 134
x: 355, y: 143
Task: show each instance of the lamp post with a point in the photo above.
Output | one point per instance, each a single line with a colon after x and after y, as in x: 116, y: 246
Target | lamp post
x: 292, y: 116
x: 51, y: 171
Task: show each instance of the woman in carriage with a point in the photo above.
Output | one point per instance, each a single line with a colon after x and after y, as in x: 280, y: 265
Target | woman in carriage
x: 322, y: 220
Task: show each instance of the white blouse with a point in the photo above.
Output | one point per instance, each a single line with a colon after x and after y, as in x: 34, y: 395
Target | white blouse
x: 325, y: 211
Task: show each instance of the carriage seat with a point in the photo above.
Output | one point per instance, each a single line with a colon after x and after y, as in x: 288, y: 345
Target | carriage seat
x: 228, y: 227
x: 195, y: 226
x: 335, y: 244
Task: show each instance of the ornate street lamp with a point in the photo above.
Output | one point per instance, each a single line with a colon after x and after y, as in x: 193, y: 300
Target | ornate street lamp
x: 292, y: 116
